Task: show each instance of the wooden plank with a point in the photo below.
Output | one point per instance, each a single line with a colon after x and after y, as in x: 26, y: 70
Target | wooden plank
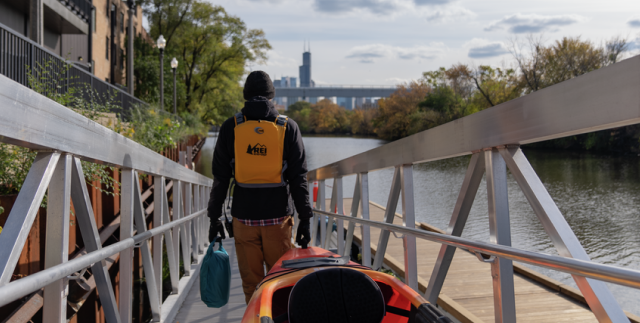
x: 194, y: 310
x: 469, y: 283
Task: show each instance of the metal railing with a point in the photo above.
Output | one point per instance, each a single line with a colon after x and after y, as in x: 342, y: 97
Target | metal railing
x: 62, y: 139
x: 82, y: 8
x: 19, y: 55
x: 602, y: 99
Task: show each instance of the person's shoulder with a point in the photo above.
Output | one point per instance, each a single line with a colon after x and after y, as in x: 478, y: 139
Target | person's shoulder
x: 230, y: 122
x: 291, y: 123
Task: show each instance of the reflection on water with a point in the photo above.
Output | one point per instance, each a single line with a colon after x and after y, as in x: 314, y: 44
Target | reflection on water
x: 598, y: 195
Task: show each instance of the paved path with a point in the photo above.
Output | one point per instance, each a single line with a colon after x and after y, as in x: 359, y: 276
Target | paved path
x: 193, y: 310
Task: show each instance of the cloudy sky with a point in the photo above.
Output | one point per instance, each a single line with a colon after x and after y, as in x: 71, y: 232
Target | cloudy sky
x: 384, y: 42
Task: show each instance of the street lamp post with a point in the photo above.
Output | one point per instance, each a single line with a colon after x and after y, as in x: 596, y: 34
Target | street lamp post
x: 161, y: 45
x: 174, y: 66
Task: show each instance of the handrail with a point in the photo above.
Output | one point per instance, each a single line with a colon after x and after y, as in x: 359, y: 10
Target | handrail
x: 14, y: 61
x: 603, y: 99
x: 24, y: 286
x: 62, y: 138
x: 612, y: 274
x: 31, y: 120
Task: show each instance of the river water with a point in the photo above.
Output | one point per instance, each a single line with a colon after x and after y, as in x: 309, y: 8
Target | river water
x: 599, y: 195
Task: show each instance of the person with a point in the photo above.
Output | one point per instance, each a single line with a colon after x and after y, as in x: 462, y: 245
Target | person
x: 264, y: 153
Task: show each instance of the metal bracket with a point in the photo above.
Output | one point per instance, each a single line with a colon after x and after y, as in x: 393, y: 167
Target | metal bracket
x: 78, y: 275
x: 482, y: 258
x: 396, y: 235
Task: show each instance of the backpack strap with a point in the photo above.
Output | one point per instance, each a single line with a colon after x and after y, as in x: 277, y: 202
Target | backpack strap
x: 281, y: 120
x: 239, y: 117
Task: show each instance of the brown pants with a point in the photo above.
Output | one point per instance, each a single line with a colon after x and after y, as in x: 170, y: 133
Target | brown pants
x: 256, y: 246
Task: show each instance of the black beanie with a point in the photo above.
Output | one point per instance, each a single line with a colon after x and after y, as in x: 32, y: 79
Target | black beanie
x: 258, y: 83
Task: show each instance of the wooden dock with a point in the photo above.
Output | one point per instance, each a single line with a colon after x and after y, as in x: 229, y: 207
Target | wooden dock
x: 467, y: 293
x: 194, y: 310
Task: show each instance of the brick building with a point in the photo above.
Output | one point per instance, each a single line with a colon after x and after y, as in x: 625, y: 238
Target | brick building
x: 90, y: 34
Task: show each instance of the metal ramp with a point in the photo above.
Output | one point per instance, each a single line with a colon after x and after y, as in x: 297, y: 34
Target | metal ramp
x: 193, y: 310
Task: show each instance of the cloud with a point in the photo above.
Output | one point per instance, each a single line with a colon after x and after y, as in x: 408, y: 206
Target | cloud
x: 448, y: 14
x: 431, y: 2
x: 533, y: 23
x: 634, y: 22
x: 275, y: 59
x: 483, y: 48
x: 345, y: 6
x: 369, y: 53
x: 397, y: 80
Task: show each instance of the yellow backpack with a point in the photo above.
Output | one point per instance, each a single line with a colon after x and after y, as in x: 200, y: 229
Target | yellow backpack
x: 258, y: 147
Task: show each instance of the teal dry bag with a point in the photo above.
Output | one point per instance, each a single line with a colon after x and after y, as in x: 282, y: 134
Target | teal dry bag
x: 215, y: 277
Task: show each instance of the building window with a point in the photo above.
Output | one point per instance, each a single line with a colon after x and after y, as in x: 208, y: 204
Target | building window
x: 135, y: 32
x: 93, y: 19
x: 107, y: 49
x: 107, y: 9
x: 93, y: 67
x: 121, y: 22
x: 122, y: 59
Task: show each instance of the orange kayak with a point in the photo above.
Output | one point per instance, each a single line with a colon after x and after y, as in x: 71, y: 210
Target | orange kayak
x: 315, y: 285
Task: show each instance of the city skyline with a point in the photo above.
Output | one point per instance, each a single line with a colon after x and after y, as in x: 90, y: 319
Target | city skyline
x: 386, y: 42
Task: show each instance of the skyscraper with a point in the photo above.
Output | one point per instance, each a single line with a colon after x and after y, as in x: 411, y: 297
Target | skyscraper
x: 305, y: 69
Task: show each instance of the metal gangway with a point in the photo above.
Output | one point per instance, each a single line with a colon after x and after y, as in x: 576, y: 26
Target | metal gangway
x: 603, y: 99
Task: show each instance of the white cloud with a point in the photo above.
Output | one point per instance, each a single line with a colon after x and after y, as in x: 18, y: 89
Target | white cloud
x: 369, y: 53
x: 483, y: 48
x: 277, y: 60
x: 533, y: 23
x: 448, y: 14
x: 378, y: 7
x: 397, y: 80
x: 634, y: 22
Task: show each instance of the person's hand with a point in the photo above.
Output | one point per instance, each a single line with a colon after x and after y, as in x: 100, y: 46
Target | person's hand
x: 303, y: 235
x: 215, y: 228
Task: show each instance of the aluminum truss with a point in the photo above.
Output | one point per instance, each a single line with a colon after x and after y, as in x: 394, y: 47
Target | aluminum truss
x: 70, y: 138
x: 492, y: 138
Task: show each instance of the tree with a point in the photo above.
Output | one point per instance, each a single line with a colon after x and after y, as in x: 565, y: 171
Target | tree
x: 398, y: 115
x: 299, y: 106
x: 212, y: 48
x: 494, y: 86
x: 565, y: 59
x: 328, y: 117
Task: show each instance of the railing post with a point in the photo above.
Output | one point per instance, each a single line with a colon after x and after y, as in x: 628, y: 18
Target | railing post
x: 18, y: 224
x: 409, y: 221
x: 188, y: 202
x: 467, y: 195
x: 177, y: 215
x: 57, y: 239
x: 389, y: 215
x: 159, y: 196
x: 169, y: 238
x: 597, y: 294
x: 145, y: 252
x: 125, y: 284
x: 500, y: 231
x: 92, y: 242
x: 332, y: 208
x: 355, y: 203
x: 365, y: 230
x: 340, y: 210
x: 321, y: 205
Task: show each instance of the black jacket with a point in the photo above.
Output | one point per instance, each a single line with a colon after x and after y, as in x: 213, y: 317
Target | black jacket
x: 261, y: 203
